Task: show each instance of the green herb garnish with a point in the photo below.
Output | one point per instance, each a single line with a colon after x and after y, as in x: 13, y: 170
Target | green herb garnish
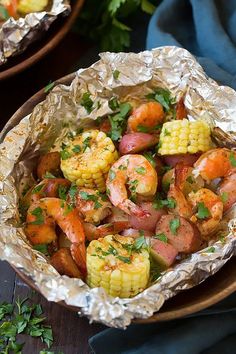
x: 163, y: 96
x: 139, y: 243
x: 124, y: 259
x: 190, y: 179
x: 43, y: 248
x: 161, y: 203
x: 65, y: 154
x: 119, y: 121
x: 166, y: 132
x: 86, y: 102
x: 72, y: 193
x: 49, y: 87
x: 202, y: 211
x: 62, y: 192
x: 116, y: 74
x: 174, y: 225
x: 76, y: 148
x: 86, y: 143
x: 113, y: 104
x: 150, y: 158
x: 48, y: 175
x: 38, y: 188
x: 141, y: 170
x: 38, y: 213
x: 162, y: 237
x: 112, y: 175
x: 224, y: 197
x: 210, y: 250
x: 232, y: 159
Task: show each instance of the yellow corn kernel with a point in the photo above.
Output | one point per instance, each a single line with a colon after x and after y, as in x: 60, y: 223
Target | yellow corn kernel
x: 88, y: 165
x: 111, y: 266
x: 183, y: 136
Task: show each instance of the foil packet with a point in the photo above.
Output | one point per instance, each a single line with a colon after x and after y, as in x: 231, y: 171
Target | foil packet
x: 17, y: 34
x: 49, y: 123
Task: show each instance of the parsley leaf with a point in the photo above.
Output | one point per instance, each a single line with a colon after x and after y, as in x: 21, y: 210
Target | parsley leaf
x: 148, y: 155
x: 118, y: 121
x: 86, y: 143
x: 49, y: 175
x: 62, y: 192
x: 163, y: 96
x: 38, y: 188
x: 170, y: 203
x: 166, y: 132
x: 76, y: 148
x: 43, y: 248
x: 174, y: 225
x: 113, y: 104
x: 202, y: 212
x: 49, y: 87
x: 224, y: 197
x: 72, y: 193
x: 86, y: 102
x: 210, y: 250
x: 141, y: 170
x: 142, y: 129
x: 124, y: 259
x: 112, y: 175
x: 65, y: 154
x: 190, y: 179
x: 38, y: 213
x: 232, y: 159
x: 139, y: 243
x: 162, y: 237
x: 116, y: 74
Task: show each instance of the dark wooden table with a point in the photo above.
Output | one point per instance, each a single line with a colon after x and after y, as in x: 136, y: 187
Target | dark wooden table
x: 71, y: 333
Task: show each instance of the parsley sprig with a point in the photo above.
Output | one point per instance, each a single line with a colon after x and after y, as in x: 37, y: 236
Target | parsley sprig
x: 118, y: 121
x: 22, y: 318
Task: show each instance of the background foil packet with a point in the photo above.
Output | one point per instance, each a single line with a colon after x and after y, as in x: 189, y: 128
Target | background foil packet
x: 16, y: 35
x: 51, y: 120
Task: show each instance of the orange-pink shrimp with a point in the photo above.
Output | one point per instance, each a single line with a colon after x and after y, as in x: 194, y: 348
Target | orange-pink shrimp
x: 93, y: 205
x: 136, y: 173
x: 149, y: 115
x: 42, y: 218
x: 93, y: 232
x: 208, y: 211
x: 215, y: 163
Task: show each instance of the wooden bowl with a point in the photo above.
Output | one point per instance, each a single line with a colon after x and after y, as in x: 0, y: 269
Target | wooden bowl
x: 38, y: 49
x: 211, y: 291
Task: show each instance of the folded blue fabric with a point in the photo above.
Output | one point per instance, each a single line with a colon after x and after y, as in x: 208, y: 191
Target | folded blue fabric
x: 207, y: 28
x: 212, y: 331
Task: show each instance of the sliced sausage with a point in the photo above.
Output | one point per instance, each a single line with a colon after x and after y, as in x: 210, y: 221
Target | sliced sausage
x: 163, y: 253
x: 186, y: 238
x: 49, y: 163
x: 185, y: 159
x: 136, y: 142
x: 64, y: 263
x: 147, y: 222
x: 227, y: 191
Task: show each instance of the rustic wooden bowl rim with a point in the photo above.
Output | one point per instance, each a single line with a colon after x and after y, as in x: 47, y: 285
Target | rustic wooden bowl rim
x: 51, y: 44
x: 227, y: 284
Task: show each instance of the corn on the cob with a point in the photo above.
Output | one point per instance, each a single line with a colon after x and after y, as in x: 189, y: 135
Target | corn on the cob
x: 88, y: 159
x: 27, y: 6
x: 113, y: 267
x: 183, y: 136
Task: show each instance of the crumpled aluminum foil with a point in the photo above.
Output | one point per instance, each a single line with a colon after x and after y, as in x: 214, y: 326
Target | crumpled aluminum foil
x: 16, y: 35
x: 169, y: 67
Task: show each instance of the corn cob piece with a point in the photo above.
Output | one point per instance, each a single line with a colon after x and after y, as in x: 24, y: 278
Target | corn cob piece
x: 112, y: 266
x: 28, y: 6
x: 88, y: 159
x: 183, y: 136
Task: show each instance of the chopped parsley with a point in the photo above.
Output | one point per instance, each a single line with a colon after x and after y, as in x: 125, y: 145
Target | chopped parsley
x: 92, y: 197
x: 68, y: 209
x: 224, y: 197
x: 162, y: 237
x: 232, y: 159
x: 65, y: 154
x: 202, y: 211
x: 38, y: 213
x: 132, y: 187
x: 43, y: 248
x: 38, y: 188
x: 112, y: 175
x: 163, y: 96
x: 139, y: 243
x: 62, y: 192
x: 210, y: 250
x: 170, y: 203
x: 190, y: 179
x: 48, y: 175
x: 49, y: 87
x: 166, y: 132
x: 141, y: 170
x: 142, y: 129
x: 119, y: 121
x: 124, y: 259
x: 86, y: 143
x: 148, y: 155
x: 72, y: 193
x: 113, y: 104
x: 76, y: 148
x: 86, y: 102
x: 116, y: 74
x: 122, y: 167
x: 174, y: 225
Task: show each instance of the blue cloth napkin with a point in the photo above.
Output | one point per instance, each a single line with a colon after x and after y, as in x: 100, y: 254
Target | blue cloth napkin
x: 207, y: 28
x: 212, y: 331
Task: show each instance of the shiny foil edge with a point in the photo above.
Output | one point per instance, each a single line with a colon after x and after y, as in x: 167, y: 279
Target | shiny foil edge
x: 17, y: 35
x: 170, y: 67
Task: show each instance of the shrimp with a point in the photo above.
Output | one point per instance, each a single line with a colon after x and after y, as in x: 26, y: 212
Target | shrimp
x: 212, y: 211
x: 49, y: 163
x: 42, y: 218
x: 215, y: 163
x: 148, y: 115
x: 93, y: 205
x: 141, y: 178
x: 49, y: 187
x: 93, y: 232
